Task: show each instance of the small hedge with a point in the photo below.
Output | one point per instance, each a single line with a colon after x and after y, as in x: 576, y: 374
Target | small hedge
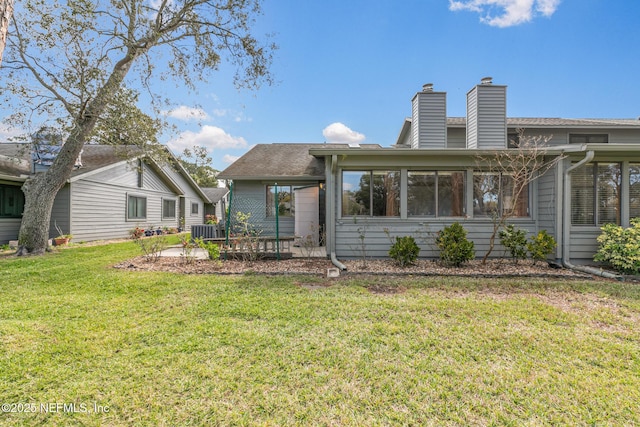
x: 620, y: 247
x: 404, y: 251
x: 455, y: 248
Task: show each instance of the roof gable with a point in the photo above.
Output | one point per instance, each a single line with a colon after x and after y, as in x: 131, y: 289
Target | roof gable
x: 277, y: 161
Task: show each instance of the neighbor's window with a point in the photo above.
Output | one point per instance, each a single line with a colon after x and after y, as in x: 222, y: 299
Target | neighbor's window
x: 285, y: 203
x: 11, y: 201
x: 634, y: 190
x: 498, y: 192
x: 136, y: 207
x: 168, y: 208
x: 435, y: 193
x: 588, y: 138
x: 194, y: 208
x: 371, y: 193
x: 595, y: 194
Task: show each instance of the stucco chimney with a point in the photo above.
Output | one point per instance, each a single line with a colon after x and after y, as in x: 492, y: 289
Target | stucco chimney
x: 429, y: 118
x: 487, y: 115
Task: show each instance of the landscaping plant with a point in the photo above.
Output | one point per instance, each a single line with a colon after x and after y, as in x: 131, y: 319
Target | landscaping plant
x: 620, y: 247
x: 515, y: 241
x: 541, y: 245
x: 455, y: 248
x: 405, y: 250
x: 151, y: 246
x: 212, y: 248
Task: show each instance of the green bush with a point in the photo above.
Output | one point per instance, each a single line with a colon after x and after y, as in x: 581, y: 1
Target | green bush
x: 541, y: 245
x: 454, y: 247
x: 212, y: 248
x: 515, y: 241
x: 620, y: 247
x: 405, y: 250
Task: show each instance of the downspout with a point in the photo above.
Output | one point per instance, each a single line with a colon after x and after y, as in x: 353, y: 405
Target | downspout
x: 332, y: 213
x: 566, y: 224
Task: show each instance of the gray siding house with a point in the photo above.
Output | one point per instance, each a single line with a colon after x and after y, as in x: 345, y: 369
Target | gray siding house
x: 432, y: 177
x: 110, y: 193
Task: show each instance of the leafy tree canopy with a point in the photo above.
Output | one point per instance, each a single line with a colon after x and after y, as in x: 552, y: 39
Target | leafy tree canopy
x: 198, y: 163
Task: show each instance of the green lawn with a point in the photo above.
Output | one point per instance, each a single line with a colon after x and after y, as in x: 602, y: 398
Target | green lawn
x: 168, y: 349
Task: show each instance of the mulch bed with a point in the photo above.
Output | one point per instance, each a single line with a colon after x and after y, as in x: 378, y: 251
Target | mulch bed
x: 319, y: 267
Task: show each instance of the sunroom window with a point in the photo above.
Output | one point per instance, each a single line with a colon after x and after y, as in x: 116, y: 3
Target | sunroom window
x: 596, y: 194
x: 495, y: 193
x: 634, y: 190
x: 435, y: 193
x: 371, y: 193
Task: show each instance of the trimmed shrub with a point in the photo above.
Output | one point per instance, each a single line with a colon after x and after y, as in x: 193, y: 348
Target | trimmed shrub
x: 620, y: 247
x: 213, y: 250
x: 404, y: 251
x: 515, y: 241
x: 455, y: 248
x: 541, y: 245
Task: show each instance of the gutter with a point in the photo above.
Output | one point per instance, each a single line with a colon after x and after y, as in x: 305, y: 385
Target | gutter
x: 332, y: 249
x: 566, y: 224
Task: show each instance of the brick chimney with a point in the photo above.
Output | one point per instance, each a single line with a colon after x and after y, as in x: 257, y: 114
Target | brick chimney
x: 429, y: 118
x: 487, y: 115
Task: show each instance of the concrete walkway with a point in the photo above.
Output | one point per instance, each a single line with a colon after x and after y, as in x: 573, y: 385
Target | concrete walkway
x: 199, y: 253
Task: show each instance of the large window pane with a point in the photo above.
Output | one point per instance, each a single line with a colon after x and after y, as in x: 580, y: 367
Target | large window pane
x: 285, y: 205
x: 450, y: 193
x: 486, y: 187
x: 494, y: 192
x: 609, y: 181
x: 421, y: 194
x: 582, y: 196
x: 634, y: 190
x: 374, y: 193
x: 355, y: 193
x: 431, y: 193
x: 515, y: 200
x: 11, y: 201
x: 386, y: 193
x: 596, y: 194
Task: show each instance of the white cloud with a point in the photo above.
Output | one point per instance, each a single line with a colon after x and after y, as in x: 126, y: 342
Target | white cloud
x: 509, y: 12
x: 211, y: 137
x: 339, y: 133
x: 187, y: 113
x: 228, y: 159
x: 8, y: 132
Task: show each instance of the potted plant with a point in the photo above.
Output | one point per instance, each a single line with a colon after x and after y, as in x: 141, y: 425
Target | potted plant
x: 61, y: 238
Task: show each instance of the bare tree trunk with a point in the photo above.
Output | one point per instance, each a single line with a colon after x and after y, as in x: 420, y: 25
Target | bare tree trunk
x: 6, y: 10
x: 34, y: 229
x: 40, y: 190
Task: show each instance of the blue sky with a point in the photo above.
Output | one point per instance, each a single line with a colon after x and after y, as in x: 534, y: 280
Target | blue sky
x: 347, y: 69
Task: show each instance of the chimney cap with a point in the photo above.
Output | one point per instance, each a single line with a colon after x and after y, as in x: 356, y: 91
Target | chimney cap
x: 486, y: 80
x: 427, y: 87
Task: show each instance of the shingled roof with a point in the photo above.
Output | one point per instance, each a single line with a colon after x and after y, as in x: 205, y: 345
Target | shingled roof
x: 93, y: 157
x: 555, y: 122
x: 277, y: 161
x: 214, y: 194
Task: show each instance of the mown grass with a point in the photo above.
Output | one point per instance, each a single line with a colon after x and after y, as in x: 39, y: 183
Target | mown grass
x: 168, y: 349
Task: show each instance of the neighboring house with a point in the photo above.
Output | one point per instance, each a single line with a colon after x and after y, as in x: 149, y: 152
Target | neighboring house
x: 432, y: 177
x: 110, y: 192
x: 219, y: 200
